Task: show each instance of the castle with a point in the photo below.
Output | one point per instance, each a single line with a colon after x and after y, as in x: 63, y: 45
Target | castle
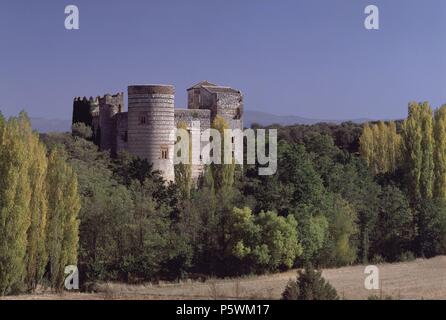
x: 144, y: 130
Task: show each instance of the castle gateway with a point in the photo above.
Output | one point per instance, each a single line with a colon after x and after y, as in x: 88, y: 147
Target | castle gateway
x: 144, y: 130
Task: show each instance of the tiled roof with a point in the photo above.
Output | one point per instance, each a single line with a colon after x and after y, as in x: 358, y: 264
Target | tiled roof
x: 216, y: 89
x: 201, y: 84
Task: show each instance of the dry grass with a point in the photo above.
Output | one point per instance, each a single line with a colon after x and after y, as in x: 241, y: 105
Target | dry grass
x: 420, y: 279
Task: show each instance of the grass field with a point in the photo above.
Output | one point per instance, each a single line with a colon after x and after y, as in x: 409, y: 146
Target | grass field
x: 420, y: 279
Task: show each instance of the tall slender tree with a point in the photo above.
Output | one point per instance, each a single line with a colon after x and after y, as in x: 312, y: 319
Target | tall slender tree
x: 15, y: 194
x: 412, y: 139
x: 427, y: 143
x: 440, y: 153
x: 63, y: 224
x: 223, y: 173
x: 36, y: 255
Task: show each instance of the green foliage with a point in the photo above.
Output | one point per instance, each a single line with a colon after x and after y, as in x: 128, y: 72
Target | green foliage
x: 310, y: 285
x: 380, y: 146
x: 431, y: 221
x: 30, y: 196
x: 81, y: 130
x: 297, y: 171
x: 15, y: 196
x: 394, y: 231
x: 418, y: 142
x: 183, y: 171
x: 37, y: 254
x: 223, y: 173
x: 263, y: 243
x: 339, y: 248
x: 440, y: 153
x: 63, y: 224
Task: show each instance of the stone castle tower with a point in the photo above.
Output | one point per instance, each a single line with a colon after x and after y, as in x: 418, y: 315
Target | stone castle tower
x: 144, y: 131
x: 151, y: 117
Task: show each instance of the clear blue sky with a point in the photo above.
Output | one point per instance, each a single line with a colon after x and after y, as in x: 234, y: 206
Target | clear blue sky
x: 311, y: 58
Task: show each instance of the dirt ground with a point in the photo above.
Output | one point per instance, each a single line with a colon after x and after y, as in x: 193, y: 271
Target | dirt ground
x: 420, y: 279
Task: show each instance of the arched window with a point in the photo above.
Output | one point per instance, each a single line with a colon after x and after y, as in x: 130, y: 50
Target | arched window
x: 164, y: 153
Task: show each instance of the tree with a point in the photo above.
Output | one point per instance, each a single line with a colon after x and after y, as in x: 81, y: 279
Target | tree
x: 339, y: 248
x: 431, y: 222
x: 36, y: 254
x: 279, y: 235
x: 81, y: 130
x: 296, y: 170
x: 395, y: 228
x: 310, y: 285
x: 183, y: 171
x: 380, y: 146
x: 417, y: 131
x: 63, y: 224
x: 223, y: 173
x: 262, y: 243
x: 313, y: 231
x: 15, y: 196
x: 440, y: 153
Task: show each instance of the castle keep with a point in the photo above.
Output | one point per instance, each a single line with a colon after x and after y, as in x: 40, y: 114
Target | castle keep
x: 144, y: 130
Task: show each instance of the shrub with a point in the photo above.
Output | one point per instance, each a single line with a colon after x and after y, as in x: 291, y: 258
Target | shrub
x: 81, y: 130
x: 309, y: 285
x: 407, y: 256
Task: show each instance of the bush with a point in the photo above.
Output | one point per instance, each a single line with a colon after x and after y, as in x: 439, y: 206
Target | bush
x: 310, y: 285
x: 378, y: 259
x: 81, y: 130
x: 407, y: 256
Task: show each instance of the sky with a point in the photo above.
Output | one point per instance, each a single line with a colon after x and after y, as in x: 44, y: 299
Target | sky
x: 311, y: 58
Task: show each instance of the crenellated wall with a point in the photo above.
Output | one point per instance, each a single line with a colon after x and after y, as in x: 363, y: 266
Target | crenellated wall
x: 146, y: 129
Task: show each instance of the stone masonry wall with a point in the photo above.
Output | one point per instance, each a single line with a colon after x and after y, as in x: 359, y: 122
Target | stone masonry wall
x: 196, y: 120
x: 150, y: 126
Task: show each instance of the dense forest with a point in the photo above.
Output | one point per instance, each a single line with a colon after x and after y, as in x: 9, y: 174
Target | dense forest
x: 343, y: 194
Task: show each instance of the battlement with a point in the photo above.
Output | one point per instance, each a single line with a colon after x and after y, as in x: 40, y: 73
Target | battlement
x: 151, y: 89
x: 145, y: 129
x: 116, y: 99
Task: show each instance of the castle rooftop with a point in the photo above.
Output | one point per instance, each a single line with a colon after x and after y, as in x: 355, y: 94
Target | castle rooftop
x: 151, y: 89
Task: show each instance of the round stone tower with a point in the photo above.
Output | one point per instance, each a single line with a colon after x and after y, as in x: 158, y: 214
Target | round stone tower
x: 151, y: 120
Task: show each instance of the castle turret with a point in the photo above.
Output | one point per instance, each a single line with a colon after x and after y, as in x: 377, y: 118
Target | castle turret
x: 109, y: 106
x: 150, y: 123
x: 223, y: 101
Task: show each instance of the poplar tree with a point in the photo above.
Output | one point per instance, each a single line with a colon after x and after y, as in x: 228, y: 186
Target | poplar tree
x: 15, y: 197
x: 223, y: 174
x: 418, y: 150
x: 36, y: 255
x: 366, y: 147
x: 183, y: 171
x: 394, y: 146
x: 440, y: 153
x: 427, y: 143
x: 380, y: 146
x: 63, y: 224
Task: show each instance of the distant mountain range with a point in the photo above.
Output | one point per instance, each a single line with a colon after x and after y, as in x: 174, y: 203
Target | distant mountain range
x: 50, y: 125
x: 262, y: 118
x: 265, y: 119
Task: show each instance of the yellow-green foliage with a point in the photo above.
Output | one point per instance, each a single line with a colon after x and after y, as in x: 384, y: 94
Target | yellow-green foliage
x: 223, y: 173
x: 440, y: 153
x: 183, y: 172
x: 418, y: 143
x: 28, y: 187
x: 266, y: 241
x: 380, y: 146
x: 63, y: 224
x: 15, y: 195
x: 36, y: 254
